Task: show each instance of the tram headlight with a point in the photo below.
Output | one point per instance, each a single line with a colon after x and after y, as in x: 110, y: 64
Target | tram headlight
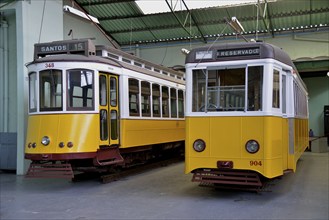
x: 69, y: 144
x: 252, y: 146
x: 45, y: 140
x: 199, y: 145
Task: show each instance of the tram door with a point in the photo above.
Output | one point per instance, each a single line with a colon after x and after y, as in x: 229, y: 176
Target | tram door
x: 108, y: 109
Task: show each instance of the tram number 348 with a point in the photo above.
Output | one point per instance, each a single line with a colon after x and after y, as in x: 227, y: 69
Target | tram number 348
x: 255, y: 163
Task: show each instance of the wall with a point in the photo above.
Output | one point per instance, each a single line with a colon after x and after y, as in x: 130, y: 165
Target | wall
x: 82, y: 28
x: 8, y: 77
x: 313, y: 45
x: 36, y: 21
x: 318, y: 97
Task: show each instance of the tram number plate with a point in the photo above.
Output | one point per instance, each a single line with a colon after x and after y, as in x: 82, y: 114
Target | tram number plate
x: 255, y: 163
x: 49, y: 65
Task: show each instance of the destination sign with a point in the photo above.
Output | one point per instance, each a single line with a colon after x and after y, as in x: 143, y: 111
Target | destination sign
x: 64, y: 47
x: 238, y: 52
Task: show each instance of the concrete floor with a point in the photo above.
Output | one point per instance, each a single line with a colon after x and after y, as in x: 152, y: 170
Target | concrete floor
x: 167, y: 193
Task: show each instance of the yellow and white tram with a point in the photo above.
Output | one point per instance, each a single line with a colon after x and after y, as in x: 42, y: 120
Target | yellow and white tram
x: 246, y: 113
x: 94, y: 107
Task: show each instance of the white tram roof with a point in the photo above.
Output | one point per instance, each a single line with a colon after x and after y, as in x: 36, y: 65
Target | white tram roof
x: 238, y: 51
x: 85, y: 51
x: 241, y: 51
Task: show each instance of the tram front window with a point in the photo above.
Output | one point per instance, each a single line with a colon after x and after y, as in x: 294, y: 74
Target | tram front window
x: 80, y: 89
x: 51, y: 98
x: 225, y: 89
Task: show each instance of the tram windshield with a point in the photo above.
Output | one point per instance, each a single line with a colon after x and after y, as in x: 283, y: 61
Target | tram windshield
x: 47, y: 92
x: 80, y: 89
x: 229, y: 89
x: 51, y: 98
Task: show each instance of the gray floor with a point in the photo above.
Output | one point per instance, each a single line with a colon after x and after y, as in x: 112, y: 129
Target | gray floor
x: 167, y: 193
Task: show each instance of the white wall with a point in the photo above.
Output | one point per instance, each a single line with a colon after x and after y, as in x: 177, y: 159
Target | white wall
x: 297, y: 46
x: 318, y: 97
x: 82, y: 28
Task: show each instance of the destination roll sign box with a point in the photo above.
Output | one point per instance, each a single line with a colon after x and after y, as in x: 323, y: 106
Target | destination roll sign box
x: 238, y: 52
x: 83, y: 47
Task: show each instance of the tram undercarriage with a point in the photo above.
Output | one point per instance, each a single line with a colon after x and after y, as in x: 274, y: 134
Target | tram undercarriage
x: 103, y: 161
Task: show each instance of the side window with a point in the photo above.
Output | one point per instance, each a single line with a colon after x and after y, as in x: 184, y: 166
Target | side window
x: 80, y: 88
x: 276, y: 89
x: 255, y: 85
x: 165, y: 102
x: 180, y: 103
x: 133, y: 97
x: 33, y: 92
x: 199, y: 90
x: 156, y: 100
x: 145, y: 98
x: 284, y: 95
x: 173, y: 102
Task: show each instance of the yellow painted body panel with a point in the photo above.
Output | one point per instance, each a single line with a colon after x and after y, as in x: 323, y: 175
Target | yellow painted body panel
x: 81, y: 129
x: 225, y: 139
x: 139, y: 132
x: 301, y: 141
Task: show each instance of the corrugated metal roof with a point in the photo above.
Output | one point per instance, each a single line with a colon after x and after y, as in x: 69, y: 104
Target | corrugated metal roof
x: 126, y: 24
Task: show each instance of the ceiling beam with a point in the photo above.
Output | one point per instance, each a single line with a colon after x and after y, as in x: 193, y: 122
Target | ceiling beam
x: 104, y: 2
x: 266, y: 18
x: 221, y: 21
x: 108, y: 36
x: 278, y: 15
x: 182, y: 24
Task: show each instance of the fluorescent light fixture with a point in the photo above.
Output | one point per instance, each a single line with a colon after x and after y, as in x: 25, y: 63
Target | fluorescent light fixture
x: 79, y: 13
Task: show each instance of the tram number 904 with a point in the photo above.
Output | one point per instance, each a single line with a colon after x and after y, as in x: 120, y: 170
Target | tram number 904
x: 255, y: 163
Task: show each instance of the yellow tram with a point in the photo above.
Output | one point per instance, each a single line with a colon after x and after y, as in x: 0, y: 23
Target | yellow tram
x: 95, y: 107
x: 246, y: 114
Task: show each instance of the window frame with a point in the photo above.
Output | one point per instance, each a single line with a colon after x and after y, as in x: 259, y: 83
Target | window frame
x: 50, y: 109
x: 83, y: 108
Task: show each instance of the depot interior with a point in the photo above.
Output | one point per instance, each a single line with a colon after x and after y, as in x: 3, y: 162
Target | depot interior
x: 161, y: 37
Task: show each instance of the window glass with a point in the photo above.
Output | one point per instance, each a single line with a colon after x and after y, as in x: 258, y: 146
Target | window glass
x: 102, y: 91
x: 145, y: 98
x: 156, y: 100
x: 114, y: 125
x: 165, y: 101
x: 276, y: 89
x: 284, y: 98
x: 173, y: 103
x: 80, y: 89
x: 51, y: 90
x: 255, y: 86
x: 199, y: 90
x: 33, y: 92
x: 180, y: 103
x: 219, y: 90
x: 103, y: 125
x: 133, y: 97
x: 113, y: 92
